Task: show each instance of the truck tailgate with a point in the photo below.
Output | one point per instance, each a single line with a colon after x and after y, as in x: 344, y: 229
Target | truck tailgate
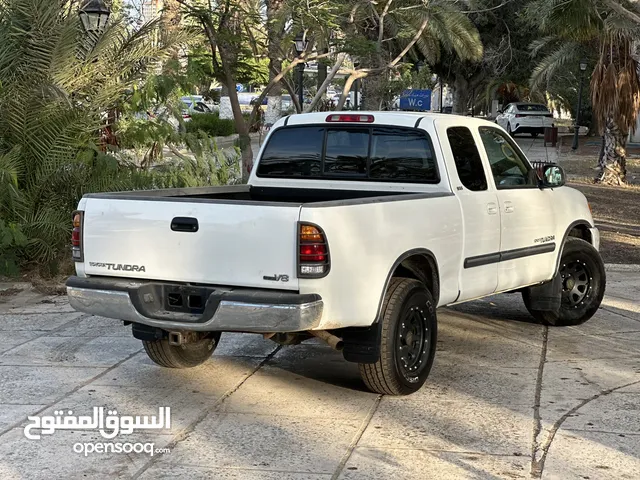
x: 241, y: 244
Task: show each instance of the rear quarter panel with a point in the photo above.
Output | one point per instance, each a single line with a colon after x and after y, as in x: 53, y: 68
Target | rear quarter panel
x: 365, y: 240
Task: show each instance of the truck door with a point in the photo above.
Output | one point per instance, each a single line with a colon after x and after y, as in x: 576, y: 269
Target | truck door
x: 480, y: 213
x: 528, y: 247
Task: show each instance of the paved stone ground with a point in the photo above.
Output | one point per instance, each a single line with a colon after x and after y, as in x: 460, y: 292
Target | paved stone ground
x: 506, y: 398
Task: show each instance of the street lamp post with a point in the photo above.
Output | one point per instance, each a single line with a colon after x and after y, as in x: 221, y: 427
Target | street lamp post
x: 356, y: 85
x: 94, y: 15
x: 583, y: 67
x: 301, y: 44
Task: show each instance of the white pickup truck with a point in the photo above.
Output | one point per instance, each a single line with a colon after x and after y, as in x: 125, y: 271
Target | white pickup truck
x: 354, y: 228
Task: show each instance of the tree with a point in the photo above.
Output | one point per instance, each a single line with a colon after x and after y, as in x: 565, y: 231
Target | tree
x: 223, y: 26
x: 275, y: 35
x: 381, y: 35
x: 54, y: 92
x: 607, y: 31
x: 504, y: 67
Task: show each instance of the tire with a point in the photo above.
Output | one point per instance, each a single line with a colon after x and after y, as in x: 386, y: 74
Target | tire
x: 185, y: 356
x: 391, y: 374
x: 509, y: 129
x: 580, y: 266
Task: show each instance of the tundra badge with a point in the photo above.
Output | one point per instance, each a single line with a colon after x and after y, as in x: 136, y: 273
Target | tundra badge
x: 119, y: 266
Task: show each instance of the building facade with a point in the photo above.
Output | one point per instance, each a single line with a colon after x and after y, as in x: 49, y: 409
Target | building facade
x: 151, y: 9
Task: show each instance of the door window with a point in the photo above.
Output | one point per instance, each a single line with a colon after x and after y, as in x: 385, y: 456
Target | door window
x: 509, y: 167
x: 467, y: 158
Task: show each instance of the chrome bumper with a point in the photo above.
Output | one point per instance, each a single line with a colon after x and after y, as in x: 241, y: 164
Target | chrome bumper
x: 230, y: 315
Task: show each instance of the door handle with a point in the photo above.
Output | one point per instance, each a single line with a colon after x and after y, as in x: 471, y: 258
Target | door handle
x: 508, y: 207
x: 184, y: 224
x: 492, y: 209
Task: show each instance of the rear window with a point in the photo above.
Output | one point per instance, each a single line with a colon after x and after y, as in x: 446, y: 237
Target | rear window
x: 350, y: 153
x: 532, y: 108
x: 293, y: 152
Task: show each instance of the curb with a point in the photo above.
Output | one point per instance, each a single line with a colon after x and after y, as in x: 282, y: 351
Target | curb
x: 618, y: 267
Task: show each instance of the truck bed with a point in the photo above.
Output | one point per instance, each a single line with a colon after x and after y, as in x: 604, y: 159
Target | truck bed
x: 248, y: 194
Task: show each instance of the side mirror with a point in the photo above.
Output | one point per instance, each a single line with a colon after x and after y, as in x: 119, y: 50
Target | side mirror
x: 553, y: 176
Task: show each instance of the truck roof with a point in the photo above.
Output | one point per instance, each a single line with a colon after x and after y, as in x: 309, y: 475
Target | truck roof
x: 409, y: 119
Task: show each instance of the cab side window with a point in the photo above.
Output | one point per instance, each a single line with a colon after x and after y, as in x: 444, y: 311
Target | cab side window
x: 510, y: 169
x: 467, y: 158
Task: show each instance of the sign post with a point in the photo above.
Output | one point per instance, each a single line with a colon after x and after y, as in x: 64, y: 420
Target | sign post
x: 415, y: 100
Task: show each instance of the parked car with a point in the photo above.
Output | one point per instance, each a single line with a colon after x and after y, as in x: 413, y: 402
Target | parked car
x: 525, y: 118
x: 354, y: 228
x: 194, y: 104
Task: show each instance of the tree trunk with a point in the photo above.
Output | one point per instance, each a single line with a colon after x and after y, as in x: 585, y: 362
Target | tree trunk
x: 613, y: 164
x: 244, y: 140
x: 460, y: 95
x: 322, y: 88
x: 347, y: 88
x: 322, y: 70
x: 374, y: 86
x: 274, y: 36
x: 226, y: 111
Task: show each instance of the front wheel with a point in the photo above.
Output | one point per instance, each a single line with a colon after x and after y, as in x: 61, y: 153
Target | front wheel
x: 188, y: 355
x: 407, y: 340
x: 583, y: 284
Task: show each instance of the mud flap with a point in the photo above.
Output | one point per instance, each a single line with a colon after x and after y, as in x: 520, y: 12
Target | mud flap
x: 546, y: 297
x: 361, y: 345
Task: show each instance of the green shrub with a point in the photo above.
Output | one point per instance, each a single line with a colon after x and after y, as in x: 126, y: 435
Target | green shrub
x: 211, y: 124
x: 11, y: 239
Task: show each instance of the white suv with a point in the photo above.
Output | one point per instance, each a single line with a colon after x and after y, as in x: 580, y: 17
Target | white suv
x: 525, y: 118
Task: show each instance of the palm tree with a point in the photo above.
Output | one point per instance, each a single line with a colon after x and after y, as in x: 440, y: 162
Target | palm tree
x: 55, y: 90
x: 607, y: 31
x: 394, y: 30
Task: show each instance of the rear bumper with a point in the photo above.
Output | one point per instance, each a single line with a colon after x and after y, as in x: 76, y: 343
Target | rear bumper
x: 227, y: 309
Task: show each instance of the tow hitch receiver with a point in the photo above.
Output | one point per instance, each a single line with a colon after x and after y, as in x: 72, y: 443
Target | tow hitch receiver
x: 176, y: 339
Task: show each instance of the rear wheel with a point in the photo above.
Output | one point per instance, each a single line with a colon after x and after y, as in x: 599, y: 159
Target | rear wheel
x: 408, y: 340
x: 583, y: 285
x: 188, y: 355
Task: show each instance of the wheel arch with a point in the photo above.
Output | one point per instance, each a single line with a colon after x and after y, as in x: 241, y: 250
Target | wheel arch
x: 418, y: 263
x: 578, y: 228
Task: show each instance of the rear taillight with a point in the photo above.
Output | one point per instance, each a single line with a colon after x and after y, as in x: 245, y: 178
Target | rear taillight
x: 77, y: 252
x: 313, y: 252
